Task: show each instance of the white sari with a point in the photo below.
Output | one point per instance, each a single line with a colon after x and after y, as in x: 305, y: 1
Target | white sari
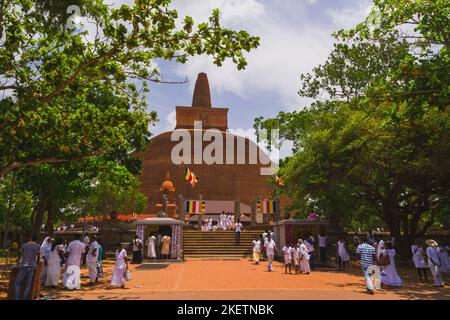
x: 151, y: 253
x: 45, y: 253
x: 54, y: 267
x: 304, y: 259
x: 118, y: 278
x: 380, y: 248
x: 389, y: 275
x: 209, y: 227
x: 342, y: 252
x: 418, y: 257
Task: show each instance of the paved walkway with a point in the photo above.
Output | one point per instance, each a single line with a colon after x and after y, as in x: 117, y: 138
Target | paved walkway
x: 241, y: 279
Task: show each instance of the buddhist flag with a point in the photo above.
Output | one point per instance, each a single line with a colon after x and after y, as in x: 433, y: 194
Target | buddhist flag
x: 195, y: 206
x: 279, y: 181
x: 191, y: 177
x: 266, y: 206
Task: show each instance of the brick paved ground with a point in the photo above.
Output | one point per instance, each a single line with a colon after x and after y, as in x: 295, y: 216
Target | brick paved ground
x: 240, y: 279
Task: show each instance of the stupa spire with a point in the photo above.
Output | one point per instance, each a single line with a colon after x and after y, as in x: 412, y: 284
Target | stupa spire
x: 202, y: 94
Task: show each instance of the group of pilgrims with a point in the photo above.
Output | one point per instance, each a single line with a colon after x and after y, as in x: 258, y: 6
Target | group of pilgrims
x: 372, y: 251
x: 60, y: 255
x: 226, y: 221
x: 65, y: 257
x: 429, y: 255
x: 297, y: 256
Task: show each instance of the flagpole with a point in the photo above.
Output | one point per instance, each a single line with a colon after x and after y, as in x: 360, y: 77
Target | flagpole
x: 186, y: 182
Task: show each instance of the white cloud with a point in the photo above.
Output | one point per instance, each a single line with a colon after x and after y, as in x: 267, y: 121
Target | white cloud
x: 350, y: 16
x: 171, y: 121
x: 293, y: 41
x: 289, y: 46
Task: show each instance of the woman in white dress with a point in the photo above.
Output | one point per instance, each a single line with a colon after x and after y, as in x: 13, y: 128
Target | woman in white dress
x: 151, y: 242
x: 342, y: 254
x: 220, y: 225
x: 210, y: 224
x: 304, y: 258
x: 418, y: 258
x: 120, y: 268
x: 46, y: 246
x: 389, y: 276
x: 380, y: 247
x: 54, y: 264
x: 228, y: 222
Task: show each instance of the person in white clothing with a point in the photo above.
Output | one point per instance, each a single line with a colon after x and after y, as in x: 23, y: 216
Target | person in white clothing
x: 46, y: 246
x: 151, y: 242
x: 419, y: 261
x: 389, y: 275
x: 86, y: 242
x: 288, y: 250
x: 342, y: 254
x: 270, y: 247
x: 120, y: 268
x: 434, y: 262
x: 74, y: 252
x: 54, y: 264
x: 222, y: 221
x: 256, y: 250
x: 210, y: 224
x: 304, y: 258
x: 219, y: 222
x: 309, y: 244
x: 380, y: 248
x: 204, y: 225
x: 91, y: 260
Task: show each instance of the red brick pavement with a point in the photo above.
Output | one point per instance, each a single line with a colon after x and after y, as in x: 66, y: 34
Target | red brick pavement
x: 241, y: 279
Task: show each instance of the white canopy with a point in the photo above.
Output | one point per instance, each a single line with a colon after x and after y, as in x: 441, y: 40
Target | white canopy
x: 159, y: 222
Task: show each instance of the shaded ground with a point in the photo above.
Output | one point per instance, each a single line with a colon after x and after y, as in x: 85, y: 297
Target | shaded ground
x: 240, y: 279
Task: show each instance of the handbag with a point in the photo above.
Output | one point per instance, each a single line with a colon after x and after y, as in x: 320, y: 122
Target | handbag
x: 384, y: 260
x: 128, y: 276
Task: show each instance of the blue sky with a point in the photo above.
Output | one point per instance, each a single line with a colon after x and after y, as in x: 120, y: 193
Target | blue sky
x: 295, y: 37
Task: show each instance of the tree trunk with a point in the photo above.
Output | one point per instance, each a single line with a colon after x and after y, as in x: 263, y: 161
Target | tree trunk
x: 41, y: 208
x: 50, y: 216
x: 9, y: 212
x: 402, y: 241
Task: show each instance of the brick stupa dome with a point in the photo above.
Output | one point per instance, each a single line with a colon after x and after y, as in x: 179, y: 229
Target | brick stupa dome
x: 241, y: 181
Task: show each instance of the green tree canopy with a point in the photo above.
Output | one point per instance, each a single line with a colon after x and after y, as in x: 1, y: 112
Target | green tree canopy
x: 376, y: 139
x: 71, y: 94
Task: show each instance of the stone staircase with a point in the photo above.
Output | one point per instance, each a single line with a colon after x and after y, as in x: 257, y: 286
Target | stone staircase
x: 217, y: 244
